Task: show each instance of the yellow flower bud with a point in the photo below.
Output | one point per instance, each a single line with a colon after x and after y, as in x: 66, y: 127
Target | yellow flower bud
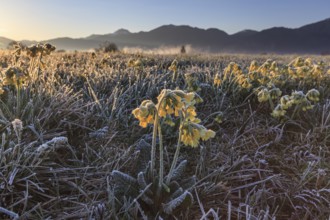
x: 313, y: 95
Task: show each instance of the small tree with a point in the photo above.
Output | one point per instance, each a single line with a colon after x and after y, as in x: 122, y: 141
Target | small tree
x: 108, y: 47
x: 183, y: 49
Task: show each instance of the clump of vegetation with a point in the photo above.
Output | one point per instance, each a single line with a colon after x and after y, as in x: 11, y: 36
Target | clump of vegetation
x: 108, y: 47
x: 162, y: 195
x: 110, y: 135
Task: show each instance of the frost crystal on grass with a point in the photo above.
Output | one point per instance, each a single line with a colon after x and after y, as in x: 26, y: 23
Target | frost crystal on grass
x: 53, y: 144
x: 100, y: 133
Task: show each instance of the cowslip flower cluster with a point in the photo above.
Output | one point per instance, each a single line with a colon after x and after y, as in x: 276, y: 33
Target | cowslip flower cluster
x: 263, y: 95
x: 279, y: 111
x: 193, y: 132
x: 40, y: 49
x: 15, y: 76
x: 285, y: 102
x: 175, y: 103
x: 170, y: 102
x: 300, y: 68
x: 297, y: 98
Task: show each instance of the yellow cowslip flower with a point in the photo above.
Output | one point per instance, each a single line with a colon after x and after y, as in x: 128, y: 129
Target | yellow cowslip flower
x: 236, y: 69
x: 198, y: 99
x: 219, y: 118
x: 217, y: 80
x: 317, y: 71
x: 174, y: 66
x: 145, y: 121
x: 297, y: 97
x: 162, y: 111
x: 240, y: 79
x: 193, y: 132
x: 195, y: 120
x: 279, y: 111
x: 170, y: 102
x: 145, y: 113
x: 130, y: 63
x: 275, y: 93
x: 229, y: 68
x: 273, y: 66
x: 306, y: 105
x: 286, y: 102
x: 190, y: 136
x: 165, y: 108
x: 263, y: 80
x: 313, y: 95
x: 302, y: 71
x: 15, y: 76
x: 297, y: 62
x: 254, y: 75
x: 263, y: 95
x: 138, y: 63
x: 189, y: 97
x: 292, y: 72
x: 253, y: 66
x: 308, y: 62
x: 192, y: 81
x: 190, y: 112
x: 264, y: 68
x: 245, y: 83
x: 142, y: 111
x: 207, y: 134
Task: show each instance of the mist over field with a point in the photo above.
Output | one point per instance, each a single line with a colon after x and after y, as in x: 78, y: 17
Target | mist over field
x: 161, y: 50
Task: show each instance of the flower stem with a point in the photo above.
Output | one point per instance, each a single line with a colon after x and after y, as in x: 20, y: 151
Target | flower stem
x: 271, y: 103
x: 295, y: 111
x: 175, y: 158
x: 153, y: 145
x: 18, y: 100
x: 161, y: 158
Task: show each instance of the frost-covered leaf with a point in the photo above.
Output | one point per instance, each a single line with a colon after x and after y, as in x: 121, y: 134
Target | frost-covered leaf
x: 123, y: 178
x: 179, y: 170
x: 100, y: 133
x: 144, y: 150
x: 188, y: 183
x: 185, y: 199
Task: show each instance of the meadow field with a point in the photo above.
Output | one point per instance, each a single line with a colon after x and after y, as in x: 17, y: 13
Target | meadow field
x: 89, y: 135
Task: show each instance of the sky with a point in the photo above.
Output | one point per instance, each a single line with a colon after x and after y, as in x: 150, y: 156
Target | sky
x: 47, y: 19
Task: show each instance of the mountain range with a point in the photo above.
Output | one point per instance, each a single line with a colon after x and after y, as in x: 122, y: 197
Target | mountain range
x: 312, y: 38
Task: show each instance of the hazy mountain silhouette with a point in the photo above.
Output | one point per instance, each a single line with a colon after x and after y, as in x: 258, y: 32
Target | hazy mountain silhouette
x: 311, y: 38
